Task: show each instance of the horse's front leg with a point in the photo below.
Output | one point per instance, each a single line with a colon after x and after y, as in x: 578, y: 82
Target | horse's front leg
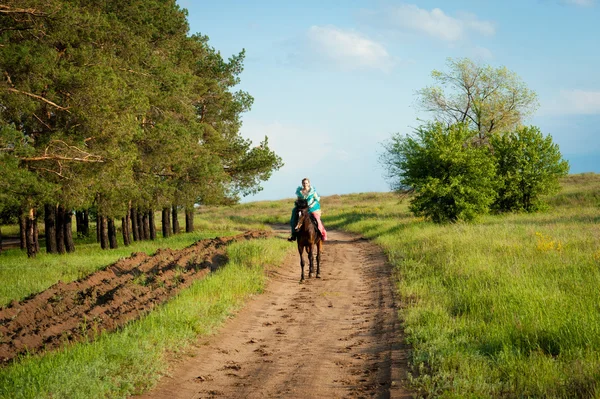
x: 311, y: 268
x: 319, y: 244
x: 300, y: 248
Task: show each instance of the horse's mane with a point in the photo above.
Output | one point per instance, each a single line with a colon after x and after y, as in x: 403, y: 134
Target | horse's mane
x: 301, y: 203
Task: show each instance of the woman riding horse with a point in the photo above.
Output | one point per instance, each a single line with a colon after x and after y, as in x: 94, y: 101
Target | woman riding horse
x: 308, y: 239
x: 309, y: 194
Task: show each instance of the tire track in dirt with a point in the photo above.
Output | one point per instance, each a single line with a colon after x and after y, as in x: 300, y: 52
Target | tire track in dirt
x: 107, y: 299
x: 334, y: 337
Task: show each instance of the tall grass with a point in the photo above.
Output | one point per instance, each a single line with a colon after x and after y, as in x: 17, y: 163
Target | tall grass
x: 506, y: 307
x: 130, y: 361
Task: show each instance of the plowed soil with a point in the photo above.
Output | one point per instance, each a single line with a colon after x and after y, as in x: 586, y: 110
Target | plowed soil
x: 107, y: 299
x: 334, y: 337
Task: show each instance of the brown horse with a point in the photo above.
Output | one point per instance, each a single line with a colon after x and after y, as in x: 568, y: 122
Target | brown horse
x: 308, y: 237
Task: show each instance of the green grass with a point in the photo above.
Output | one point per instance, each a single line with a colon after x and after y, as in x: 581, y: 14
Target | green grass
x: 21, y: 276
x: 505, y: 307
x: 130, y: 361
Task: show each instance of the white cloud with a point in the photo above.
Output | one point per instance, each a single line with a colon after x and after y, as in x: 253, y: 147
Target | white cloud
x: 577, y: 102
x: 437, y: 24
x: 348, y: 49
x: 481, y: 53
x: 308, y: 151
x: 580, y: 3
x: 294, y: 144
x: 582, y: 102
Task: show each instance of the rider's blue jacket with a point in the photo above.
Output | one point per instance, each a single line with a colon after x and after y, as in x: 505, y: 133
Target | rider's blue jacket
x: 312, y: 198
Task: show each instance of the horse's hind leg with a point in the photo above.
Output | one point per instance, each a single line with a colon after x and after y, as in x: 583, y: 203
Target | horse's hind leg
x: 311, y: 268
x: 319, y: 244
x: 301, y: 263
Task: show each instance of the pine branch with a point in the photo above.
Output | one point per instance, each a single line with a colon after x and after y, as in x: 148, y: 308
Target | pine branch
x: 51, y: 171
x: 39, y: 98
x: 62, y: 158
x: 4, y: 9
x: 78, y: 155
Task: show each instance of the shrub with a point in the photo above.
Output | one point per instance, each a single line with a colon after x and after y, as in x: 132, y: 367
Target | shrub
x: 529, y: 166
x: 453, y: 179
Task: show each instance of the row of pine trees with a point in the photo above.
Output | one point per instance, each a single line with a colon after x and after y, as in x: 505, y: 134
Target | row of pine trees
x: 112, y: 109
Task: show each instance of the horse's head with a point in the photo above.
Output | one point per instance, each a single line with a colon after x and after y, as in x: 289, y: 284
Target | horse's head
x: 302, y: 209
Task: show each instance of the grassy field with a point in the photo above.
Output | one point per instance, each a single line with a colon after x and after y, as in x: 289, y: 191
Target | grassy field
x: 130, y: 360
x: 505, y: 307
x: 21, y: 277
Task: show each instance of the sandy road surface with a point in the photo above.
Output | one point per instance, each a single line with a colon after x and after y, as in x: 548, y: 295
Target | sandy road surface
x: 334, y: 337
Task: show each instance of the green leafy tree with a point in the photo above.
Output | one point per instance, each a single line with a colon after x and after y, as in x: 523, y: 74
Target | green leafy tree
x: 529, y: 167
x: 490, y: 100
x: 112, y: 105
x: 453, y: 178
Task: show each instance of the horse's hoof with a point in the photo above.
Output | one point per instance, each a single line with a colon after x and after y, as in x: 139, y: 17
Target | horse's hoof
x: 318, y: 276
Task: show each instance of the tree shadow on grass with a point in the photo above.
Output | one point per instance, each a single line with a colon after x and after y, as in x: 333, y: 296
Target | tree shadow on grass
x: 537, y: 219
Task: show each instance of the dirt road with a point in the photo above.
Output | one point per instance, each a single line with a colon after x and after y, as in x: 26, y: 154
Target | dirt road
x: 334, y: 337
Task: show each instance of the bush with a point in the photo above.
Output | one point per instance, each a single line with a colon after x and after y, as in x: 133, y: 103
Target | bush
x: 529, y: 166
x: 453, y: 179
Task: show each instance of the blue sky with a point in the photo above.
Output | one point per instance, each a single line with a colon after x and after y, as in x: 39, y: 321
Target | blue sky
x: 333, y: 79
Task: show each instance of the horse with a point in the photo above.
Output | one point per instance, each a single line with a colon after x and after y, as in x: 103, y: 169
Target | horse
x: 308, y: 237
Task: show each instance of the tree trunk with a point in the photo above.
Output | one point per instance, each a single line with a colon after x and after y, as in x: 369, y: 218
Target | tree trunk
x: 23, y: 231
x: 175, y: 220
x: 103, y: 232
x: 166, y: 223
x: 146, y: 226
x: 152, y: 225
x: 189, y: 219
x: 112, y: 233
x: 83, y: 223
x: 60, y: 230
x: 50, y: 228
x: 97, y: 227
x: 29, y: 239
x: 86, y: 223
x: 36, y: 236
x: 125, y: 228
x: 79, y: 223
x: 140, y: 224
x: 134, y: 228
x: 68, y: 220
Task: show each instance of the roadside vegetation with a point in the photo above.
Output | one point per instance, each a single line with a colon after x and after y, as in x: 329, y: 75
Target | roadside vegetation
x: 505, y: 307
x: 130, y: 360
x: 22, y: 276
